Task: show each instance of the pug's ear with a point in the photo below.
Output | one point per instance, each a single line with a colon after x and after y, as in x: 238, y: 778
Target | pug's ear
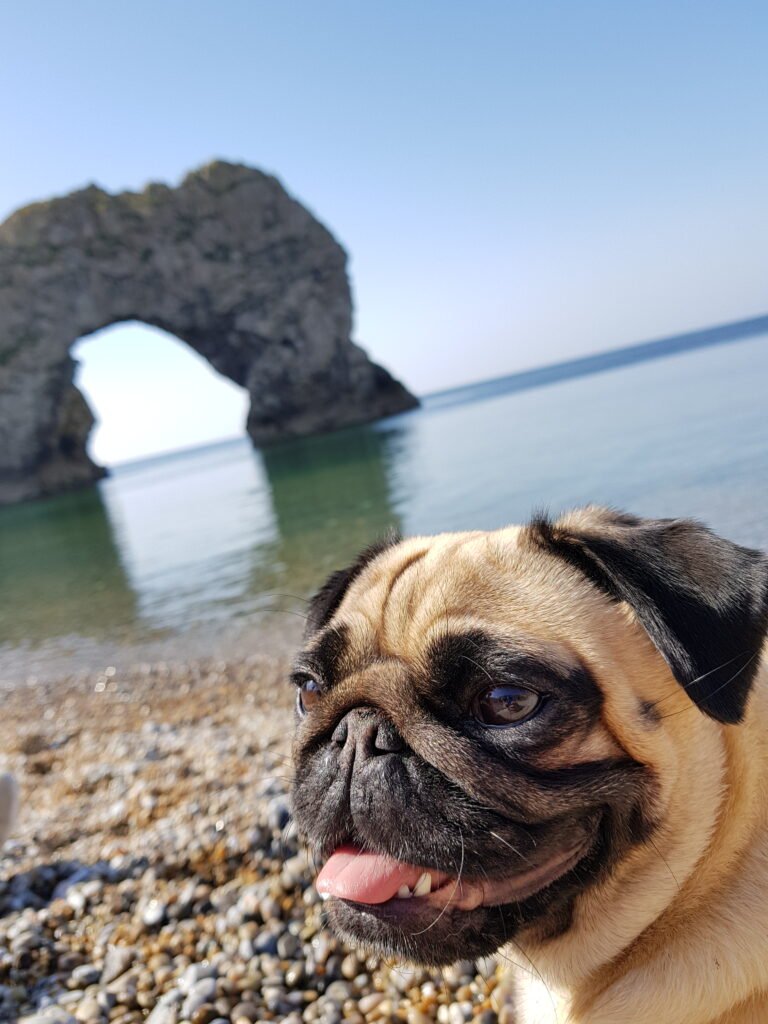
x: 702, y: 600
x: 326, y: 601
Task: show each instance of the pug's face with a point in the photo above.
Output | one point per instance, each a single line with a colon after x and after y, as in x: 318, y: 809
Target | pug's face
x: 484, y: 720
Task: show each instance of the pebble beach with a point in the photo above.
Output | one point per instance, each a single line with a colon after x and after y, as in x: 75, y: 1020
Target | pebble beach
x: 154, y: 874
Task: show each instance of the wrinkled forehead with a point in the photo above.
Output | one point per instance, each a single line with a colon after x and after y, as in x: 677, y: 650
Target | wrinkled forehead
x: 419, y: 592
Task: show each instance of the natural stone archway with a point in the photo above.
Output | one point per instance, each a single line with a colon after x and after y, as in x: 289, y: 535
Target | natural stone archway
x: 227, y: 262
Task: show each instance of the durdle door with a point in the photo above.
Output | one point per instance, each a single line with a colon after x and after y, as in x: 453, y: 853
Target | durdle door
x: 227, y: 262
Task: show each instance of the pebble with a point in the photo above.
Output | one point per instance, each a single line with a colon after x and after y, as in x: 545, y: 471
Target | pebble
x: 193, y: 974
x: 89, y: 1010
x: 266, y: 942
x: 155, y: 913
x: 201, y: 992
x: 269, y: 909
x: 296, y: 975
x: 368, y: 1003
x: 52, y: 1015
x: 70, y: 998
x: 278, y: 813
x: 404, y: 977
x: 458, y: 1013
x: 459, y: 973
x: 116, y: 961
x: 486, y: 966
x: 163, y: 1015
x: 245, y: 1012
x: 106, y: 1000
x: 339, y: 991
x: 350, y: 966
x: 84, y: 976
x: 288, y: 945
x: 415, y: 1016
x: 322, y: 945
x: 204, y: 1014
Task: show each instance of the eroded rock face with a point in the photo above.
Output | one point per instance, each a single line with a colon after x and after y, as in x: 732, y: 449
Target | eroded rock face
x: 227, y: 262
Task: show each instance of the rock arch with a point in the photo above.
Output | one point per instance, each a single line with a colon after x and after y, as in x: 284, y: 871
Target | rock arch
x: 227, y: 262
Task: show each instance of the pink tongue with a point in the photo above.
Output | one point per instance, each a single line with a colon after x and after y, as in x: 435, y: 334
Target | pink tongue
x: 352, y: 874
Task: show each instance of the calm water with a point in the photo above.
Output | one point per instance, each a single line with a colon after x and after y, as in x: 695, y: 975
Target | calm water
x: 183, y: 548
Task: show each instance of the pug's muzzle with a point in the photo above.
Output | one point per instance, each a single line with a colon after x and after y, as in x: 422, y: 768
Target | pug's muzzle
x: 415, y: 866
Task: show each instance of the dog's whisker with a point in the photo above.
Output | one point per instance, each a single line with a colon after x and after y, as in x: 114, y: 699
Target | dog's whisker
x: 465, y: 657
x: 285, y: 611
x: 720, y: 688
x: 698, y: 679
x: 534, y: 970
x: 271, y: 778
x: 453, y: 894
x: 664, y: 859
x: 511, y: 847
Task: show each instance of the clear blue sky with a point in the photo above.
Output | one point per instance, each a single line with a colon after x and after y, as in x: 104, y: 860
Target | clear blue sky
x: 516, y: 183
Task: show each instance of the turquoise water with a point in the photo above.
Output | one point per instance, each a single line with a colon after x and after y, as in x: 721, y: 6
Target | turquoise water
x: 220, y: 538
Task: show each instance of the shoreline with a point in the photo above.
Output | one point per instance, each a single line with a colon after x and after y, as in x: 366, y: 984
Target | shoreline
x: 153, y: 874
x: 70, y: 660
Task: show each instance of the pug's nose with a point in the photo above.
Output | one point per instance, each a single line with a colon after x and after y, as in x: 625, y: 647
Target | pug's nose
x: 366, y: 733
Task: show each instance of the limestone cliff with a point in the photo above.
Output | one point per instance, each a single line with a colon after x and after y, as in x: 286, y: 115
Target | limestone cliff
x: 227, y: 262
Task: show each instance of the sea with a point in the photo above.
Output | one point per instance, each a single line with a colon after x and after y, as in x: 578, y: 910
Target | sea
x: 214, y: 551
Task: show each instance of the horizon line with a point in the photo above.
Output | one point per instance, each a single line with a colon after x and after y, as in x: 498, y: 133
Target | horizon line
x: 537, y: 376
x: 624, y: 355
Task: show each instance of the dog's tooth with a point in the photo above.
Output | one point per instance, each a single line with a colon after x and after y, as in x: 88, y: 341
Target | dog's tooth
x: 324, y: 896
x: 403, y: 893
x: 424, y: 885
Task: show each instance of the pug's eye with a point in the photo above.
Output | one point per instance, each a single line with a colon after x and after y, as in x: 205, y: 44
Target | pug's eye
x: 308, y: 695
x: 505, y: 705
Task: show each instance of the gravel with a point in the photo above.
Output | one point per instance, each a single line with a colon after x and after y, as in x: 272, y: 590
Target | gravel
x: 154, y: 874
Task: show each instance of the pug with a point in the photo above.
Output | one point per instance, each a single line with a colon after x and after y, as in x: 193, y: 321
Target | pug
x: 549, y: 741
